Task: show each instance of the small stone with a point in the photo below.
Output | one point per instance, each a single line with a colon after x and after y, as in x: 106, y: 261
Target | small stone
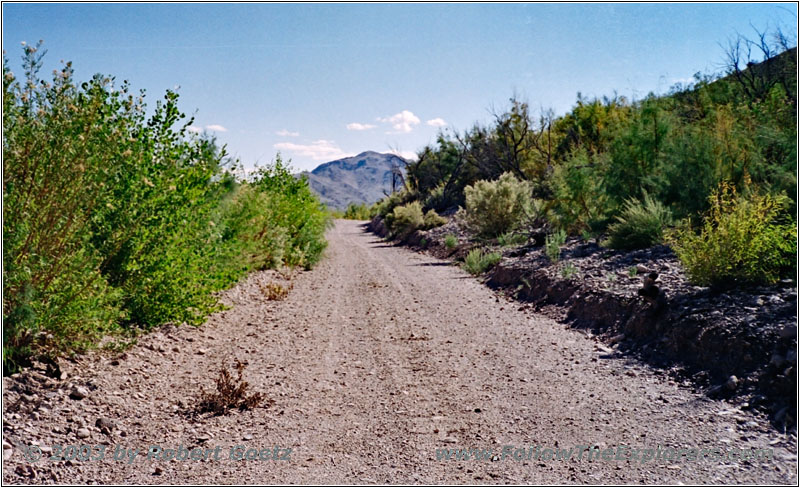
x: 248, y: 437
x: 201, y: 351
x: 158, y: 471
x: 83, y: 433
x: 106, y: 425
x: 732, y: 383
x: 79, y: 393
x: 477, y: 410
x: 788, y: 332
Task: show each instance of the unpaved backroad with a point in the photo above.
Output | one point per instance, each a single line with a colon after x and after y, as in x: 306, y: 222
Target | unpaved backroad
x: 377, y: 358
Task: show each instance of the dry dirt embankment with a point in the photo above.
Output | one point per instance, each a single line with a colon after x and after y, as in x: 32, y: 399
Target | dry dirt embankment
x: 377, y: 358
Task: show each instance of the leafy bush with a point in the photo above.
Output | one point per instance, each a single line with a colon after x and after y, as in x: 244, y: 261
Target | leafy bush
x: 432, y: 219
x: 741, y: 240
x: 553, y: 243
x: 357, y: 211
x: 405, y: 219
x: 495, y: 207
x: 641, y: 224
x: 112, y: 219
x: 477, y: 262
x: 385, y: 207
x: 450, y: 241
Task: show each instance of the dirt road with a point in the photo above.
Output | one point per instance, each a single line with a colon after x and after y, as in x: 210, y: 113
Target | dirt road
x: 378, y: 359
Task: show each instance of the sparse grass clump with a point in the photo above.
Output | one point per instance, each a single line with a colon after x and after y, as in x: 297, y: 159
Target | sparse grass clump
x: 641, y: 224
x: 231, y: 393
x: 568, y: 270
x: 511, y: 239
x: 274, y: 291
x: 450, y: 241
x: 741, y: 240
x: 495, y: 207
x: 553, y: 243
x: 477, y: 262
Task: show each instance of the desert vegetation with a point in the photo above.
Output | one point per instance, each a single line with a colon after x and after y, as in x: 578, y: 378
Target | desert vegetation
x: 709, y: 169
x: 114, y: 221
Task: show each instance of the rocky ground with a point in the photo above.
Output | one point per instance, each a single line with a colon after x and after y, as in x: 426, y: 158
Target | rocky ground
x: 376, y: 361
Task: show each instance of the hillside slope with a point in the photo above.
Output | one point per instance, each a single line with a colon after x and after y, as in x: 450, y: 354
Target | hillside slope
x: 360, y: 179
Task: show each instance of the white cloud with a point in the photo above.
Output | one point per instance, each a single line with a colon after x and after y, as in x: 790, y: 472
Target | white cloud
x: 403, y: 121
x: 287, y: 133
x: 321, y: 150
x: 194, y: 129
x: 216, y: 128
x: 437, y: 122
x: 407, y: 155
x: 357, y: 126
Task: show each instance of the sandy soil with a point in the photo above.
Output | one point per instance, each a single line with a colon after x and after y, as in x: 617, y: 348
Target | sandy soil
x: 377, y: 358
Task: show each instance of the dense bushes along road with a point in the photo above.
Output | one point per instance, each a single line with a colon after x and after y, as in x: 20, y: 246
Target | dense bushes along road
x: 113, y: 221
x: 709, y: 169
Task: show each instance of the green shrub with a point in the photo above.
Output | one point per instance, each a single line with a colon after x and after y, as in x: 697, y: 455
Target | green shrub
x: 553, y: 243
x: 113, y: 219
x: 405, y: 219
x: 511, y: 239
x: 477, y: 262
x: 386, y: 206
x: 568, y: 270
x: 495, y: 207
x: 641, y: 224
x: 432, y: 219
x: 450, y: 241
x: 357, y: 211
x: 741, y: 240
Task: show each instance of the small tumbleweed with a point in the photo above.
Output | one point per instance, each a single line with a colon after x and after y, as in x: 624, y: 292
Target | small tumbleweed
x: 230, y: 393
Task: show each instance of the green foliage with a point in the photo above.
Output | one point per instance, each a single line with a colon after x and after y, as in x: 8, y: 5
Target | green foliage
x: 450, y: 241
x: 511, y: 239
x: 357, y: 211
x: 741, y: 240
x: 553, y: 243
x: 623, y: 167
x: 114, y: 219
x: 495, y: 207
x: 580, y: 203
x: 386, y: 206
x: 568, y: 270
x: 405, y: 219
x: 432, y: 219
x: 640, y: 225
x: 477, y: 262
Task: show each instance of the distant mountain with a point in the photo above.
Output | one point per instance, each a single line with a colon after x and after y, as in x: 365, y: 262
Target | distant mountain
x: 359, y: 179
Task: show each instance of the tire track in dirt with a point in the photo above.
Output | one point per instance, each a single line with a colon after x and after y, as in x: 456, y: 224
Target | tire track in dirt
x: 377, y: 358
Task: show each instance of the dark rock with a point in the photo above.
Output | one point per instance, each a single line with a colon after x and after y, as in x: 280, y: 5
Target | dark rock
x: 79, y: 393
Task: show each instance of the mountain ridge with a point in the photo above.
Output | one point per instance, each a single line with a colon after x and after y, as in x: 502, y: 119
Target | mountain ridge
x: 362, y: 178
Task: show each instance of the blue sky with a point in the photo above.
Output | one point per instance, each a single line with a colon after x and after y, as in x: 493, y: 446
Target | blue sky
x: 322, y: 81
